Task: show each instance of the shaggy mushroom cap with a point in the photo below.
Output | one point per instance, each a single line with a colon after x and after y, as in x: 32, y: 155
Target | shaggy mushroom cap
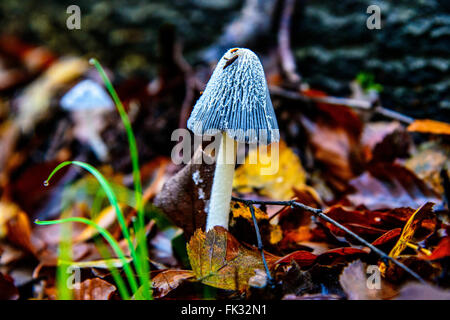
x: 236, y: 101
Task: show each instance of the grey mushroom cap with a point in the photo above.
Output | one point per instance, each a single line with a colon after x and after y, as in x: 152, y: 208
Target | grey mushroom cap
x: 236, y: 101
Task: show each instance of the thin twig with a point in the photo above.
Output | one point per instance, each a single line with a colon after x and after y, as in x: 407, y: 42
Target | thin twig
x: 319, y: 213
x: 348, y: 102
x: 260, y: 244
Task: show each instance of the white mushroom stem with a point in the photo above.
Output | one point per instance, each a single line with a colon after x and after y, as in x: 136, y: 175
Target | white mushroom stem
x: 219, y: 205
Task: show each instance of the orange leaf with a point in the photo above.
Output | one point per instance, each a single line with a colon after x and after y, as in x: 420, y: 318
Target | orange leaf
x: 429, y: 126
x: 94, y: 289
x: 167, y: 280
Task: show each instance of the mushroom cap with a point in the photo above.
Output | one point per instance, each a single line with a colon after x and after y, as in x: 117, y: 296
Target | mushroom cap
x: 236, y: 101
x: 86, y: 95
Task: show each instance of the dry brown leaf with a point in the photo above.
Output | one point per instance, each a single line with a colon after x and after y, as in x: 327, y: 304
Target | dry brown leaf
x: 19, y: 232
x: 185, y: 196
x: 94, y: 289
x: 385, y: 141
x: 428, y: 161
x: 418, y: 291
x: 219, y: 260
x: 8, y: 290
x: 104, y: 219
x: 168, y: 280
x: 387, y: 185
x: 8, y: 211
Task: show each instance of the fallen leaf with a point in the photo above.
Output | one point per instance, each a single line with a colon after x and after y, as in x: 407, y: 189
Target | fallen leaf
x: 388, y: 237
x: 104, y: 219
x: 257, y: 174
x: 219, y: 260
x: 8, y: 211
x: 387, y: 185
x: 418, y: 291
x: 185, y: 196
x: 8, y: 290
x: 168, y: 280
x: 35, y: 102
x: 93, y: 289
x: 429, y: 126
x: 410, y: 228
x: 385, y: 141
x: 427, y: 162
x: 301, y: 257
x: 19, y: 232
x: 442, y: 250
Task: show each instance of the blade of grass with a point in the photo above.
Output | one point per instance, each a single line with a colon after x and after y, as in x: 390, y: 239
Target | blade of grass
x: 112, y: 242
x: 64, y: 292
x: 144, y: 269
x: 95, y: 210
x: 111, y: 197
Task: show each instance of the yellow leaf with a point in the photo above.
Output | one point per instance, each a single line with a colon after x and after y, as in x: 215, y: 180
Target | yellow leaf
x: 104, y: 219
x: 8, y: 211
x: 272, y: 176
x: 408, y: 231
x: 239, y: 209
x: 220, y: 261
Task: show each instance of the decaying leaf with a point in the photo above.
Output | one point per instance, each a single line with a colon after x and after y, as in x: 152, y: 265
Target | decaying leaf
x: 408, y: 232
x: 19, y: 232
x: 390, y: 186
x: 427, y: 162
x: 8, y: 211
x: 385, y: 141
x: 104, y: 219
x: 442, y: 250
x: 93, y: 289
x: 168, y: 280
x: 410, y: 228
x: 185, y: 196
x: 219, y: 260
x: 418, y: 291
x: 270, y: 176
x: 8, y: 290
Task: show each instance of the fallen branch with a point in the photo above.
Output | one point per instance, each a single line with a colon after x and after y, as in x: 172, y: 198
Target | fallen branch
x: 348, y: 102
x: 319, y: 213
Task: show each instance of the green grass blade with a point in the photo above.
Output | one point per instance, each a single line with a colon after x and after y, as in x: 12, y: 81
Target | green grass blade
x: 144, y: 269
x: 112, y: 242
x: 111, y: 197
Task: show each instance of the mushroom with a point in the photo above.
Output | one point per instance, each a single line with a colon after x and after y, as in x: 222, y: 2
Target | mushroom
x: 88, y: 102
x: 236, y: 104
